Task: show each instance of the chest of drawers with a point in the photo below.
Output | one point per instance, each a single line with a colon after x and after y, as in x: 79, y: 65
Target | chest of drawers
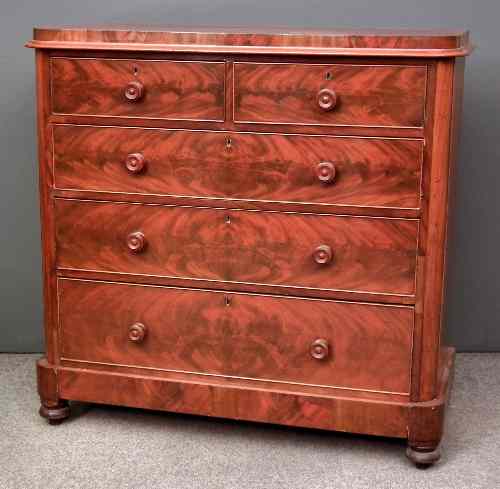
x: 249, y: 224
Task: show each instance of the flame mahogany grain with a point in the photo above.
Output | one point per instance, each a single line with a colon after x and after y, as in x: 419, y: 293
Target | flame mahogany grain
x: 172, y: 90
x: 238, y: 335
x: 370, y: 254
x: 226, y: 143
x: 366, y: 95
x: 254, y: 40
x: 265, y: 167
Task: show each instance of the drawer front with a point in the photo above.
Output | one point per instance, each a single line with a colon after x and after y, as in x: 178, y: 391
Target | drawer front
x: 265, y: 167
x: 342, y: 94
x: 304, y: 250
x: 329, y: 343
x: 133, y: 88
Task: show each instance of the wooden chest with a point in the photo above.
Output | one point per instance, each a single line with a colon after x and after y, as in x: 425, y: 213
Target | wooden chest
x: 249, y: 224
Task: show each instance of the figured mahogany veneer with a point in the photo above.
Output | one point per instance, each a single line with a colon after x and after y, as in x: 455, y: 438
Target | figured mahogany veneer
x: 370, y: 254
x: 136, y: 88
x: 227, y: 165
x: 250, y: 224
x: 238, y: 335
x: 343, y: 94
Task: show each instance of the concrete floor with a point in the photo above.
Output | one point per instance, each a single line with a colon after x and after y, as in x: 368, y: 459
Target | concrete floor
x: 109, y: 447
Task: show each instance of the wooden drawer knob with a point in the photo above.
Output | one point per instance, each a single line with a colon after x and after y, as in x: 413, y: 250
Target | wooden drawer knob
x: 319, y: 349
x: 135, y: 163
x: 137, y: 332
x: 134, y: 91
x: 323, y: 254
x: 136, y: 242
x: 326, y: 172
x: 327, y: 99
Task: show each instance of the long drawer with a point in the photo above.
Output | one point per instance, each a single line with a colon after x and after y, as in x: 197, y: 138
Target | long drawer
x: 287, y: 249
x: 224, y: 165
x: 330, y: 94
x: 175, y: 90
x: 349, y: 345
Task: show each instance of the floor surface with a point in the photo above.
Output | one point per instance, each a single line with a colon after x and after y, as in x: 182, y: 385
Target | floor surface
x: 120, y: 448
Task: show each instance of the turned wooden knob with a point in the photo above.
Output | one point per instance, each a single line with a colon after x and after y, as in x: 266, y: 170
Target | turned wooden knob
x: 135, y: 163
x: 326, y: 172
x: 134, y: 91
x: 137, y: 332
x: 136, y: 242
x: 323, y: 254
x: 319, y: 349
x: 327, y: 99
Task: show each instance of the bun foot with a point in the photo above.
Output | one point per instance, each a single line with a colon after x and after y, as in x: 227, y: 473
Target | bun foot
x: 55, y: 414
x: 423, y: 458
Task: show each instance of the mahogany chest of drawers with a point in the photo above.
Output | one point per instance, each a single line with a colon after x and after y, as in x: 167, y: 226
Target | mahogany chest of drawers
x: 250, y: 225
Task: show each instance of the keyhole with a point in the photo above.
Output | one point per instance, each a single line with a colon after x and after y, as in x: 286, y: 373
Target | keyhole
x: 328, y: 75
x: 136, y: 70
x: 228, y: 219
x: 227, y: 301
x: 229, y: 142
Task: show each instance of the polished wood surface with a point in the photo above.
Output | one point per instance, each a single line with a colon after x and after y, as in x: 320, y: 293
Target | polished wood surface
x: 250, y: 400
x: 170, y: 90
x: 370, y: 254
x: 359, y: 95
x: 323, y: 170
x: 250, y: 224
x: 238, y: 335
x: 279, y: 40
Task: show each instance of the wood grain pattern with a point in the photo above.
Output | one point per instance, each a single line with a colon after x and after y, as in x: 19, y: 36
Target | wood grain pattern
x: 265, y: 167
x: 238, y: 335
x: 371, y: 254
x: 310, y: 150
x: 366, y: 95
x: 172, y: 90
x: 230, y: 401
x: 269, y: 40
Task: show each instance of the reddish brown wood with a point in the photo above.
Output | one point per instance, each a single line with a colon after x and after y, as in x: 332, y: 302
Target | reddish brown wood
x: 347, y: 295
x: 326, y: 172
x: 426, y: 419
x: 320, y: 349
x: 211, y: 397
x: 371, y: 254
x: 136, y: 242
x: 323, y: 254
x: 134, y: 91
x: 137, y: 332
x: 163, y: 89
x: 327, y: 99
x: 53, y: 408
x: 284, y: 41
x: 432, y: 240
x: 367, y: 95
x: 381, y: 173
x: 320, y: 181
x: 135, y: 163
x: 250, y: 336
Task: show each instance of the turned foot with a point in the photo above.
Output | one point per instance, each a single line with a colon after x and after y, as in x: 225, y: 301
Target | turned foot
x: 423, y: 458
x: 55, y: 414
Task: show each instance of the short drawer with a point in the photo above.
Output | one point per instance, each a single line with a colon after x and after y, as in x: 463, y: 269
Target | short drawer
x: 260, y: 167
x: 179, y: 90
x: 288, y: 249
x: 330, y: 94
x: 347, y: 345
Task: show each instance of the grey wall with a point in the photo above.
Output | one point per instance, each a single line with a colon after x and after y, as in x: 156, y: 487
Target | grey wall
x: 473, y: 303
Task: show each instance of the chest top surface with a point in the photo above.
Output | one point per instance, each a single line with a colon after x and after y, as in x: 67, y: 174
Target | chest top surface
x: 258, y: 40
